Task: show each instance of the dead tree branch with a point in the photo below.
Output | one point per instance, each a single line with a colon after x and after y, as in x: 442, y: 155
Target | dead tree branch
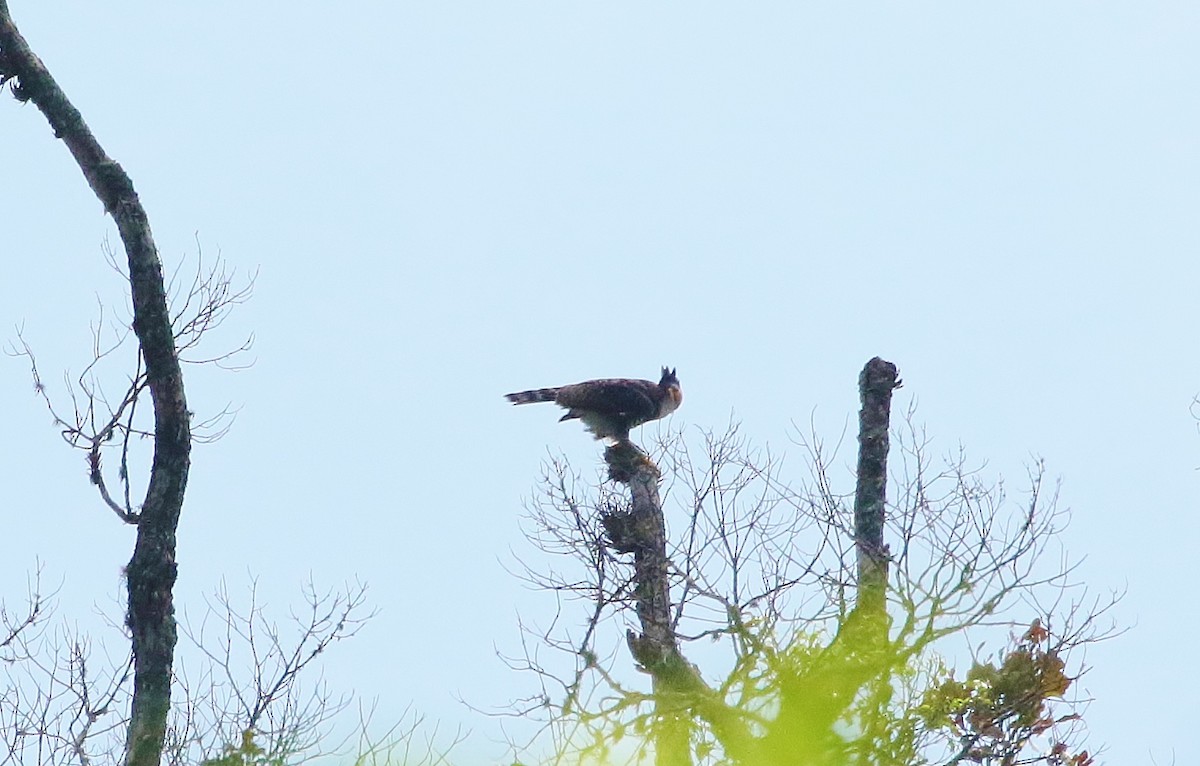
x: 814, y: 611
x: 250, y: 680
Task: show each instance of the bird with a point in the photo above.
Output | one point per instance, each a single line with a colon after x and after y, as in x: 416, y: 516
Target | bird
x: 610, y: 407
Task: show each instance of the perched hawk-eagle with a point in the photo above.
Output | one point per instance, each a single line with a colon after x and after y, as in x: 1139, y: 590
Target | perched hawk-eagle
x: 610, y: 407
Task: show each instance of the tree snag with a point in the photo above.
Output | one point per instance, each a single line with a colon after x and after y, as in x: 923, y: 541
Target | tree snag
x: 875, y: 385
x: 810, y: 701
x: 643, y: 533
x: 820, y: 644
x: 679, y: 691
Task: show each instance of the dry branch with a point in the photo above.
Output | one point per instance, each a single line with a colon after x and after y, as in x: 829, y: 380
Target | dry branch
x: 817, y: 614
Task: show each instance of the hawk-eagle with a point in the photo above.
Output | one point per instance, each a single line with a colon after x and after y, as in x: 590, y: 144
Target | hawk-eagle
x: 610, y: 407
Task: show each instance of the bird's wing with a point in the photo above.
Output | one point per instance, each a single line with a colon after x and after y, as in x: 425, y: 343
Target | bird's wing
x: 624, y: 397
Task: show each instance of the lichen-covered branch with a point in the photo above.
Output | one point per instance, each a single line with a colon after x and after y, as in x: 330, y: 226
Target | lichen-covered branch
x: 679, y: 691
x: 656, y: 648
x: 875, y: 385
x: 152, y: 569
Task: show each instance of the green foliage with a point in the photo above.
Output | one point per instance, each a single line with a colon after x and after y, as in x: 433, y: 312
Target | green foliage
x: 995, y: 711
x: 830, y: 700
x: 246, y: 753
x: 784, y: 656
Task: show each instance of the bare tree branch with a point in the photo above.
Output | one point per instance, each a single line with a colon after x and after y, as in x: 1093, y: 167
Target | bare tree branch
x: 251, y: 679
x: 764, y: 589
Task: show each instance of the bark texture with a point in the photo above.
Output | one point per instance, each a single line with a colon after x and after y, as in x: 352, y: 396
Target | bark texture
x: 812, y: 698
x: 815, y: 697
x: 152, y: 569
x: 869, y: 620
x: 679, y: 691
x: 875, y: 385
x: 656, y: 647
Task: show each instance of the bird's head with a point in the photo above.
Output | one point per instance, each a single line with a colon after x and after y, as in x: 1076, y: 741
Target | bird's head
x: 670, y: 383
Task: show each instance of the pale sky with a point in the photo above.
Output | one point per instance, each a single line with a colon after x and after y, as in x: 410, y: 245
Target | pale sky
x: 446, y: 201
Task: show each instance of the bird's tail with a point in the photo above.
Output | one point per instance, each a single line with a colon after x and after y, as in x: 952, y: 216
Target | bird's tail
x: 529, y: 397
